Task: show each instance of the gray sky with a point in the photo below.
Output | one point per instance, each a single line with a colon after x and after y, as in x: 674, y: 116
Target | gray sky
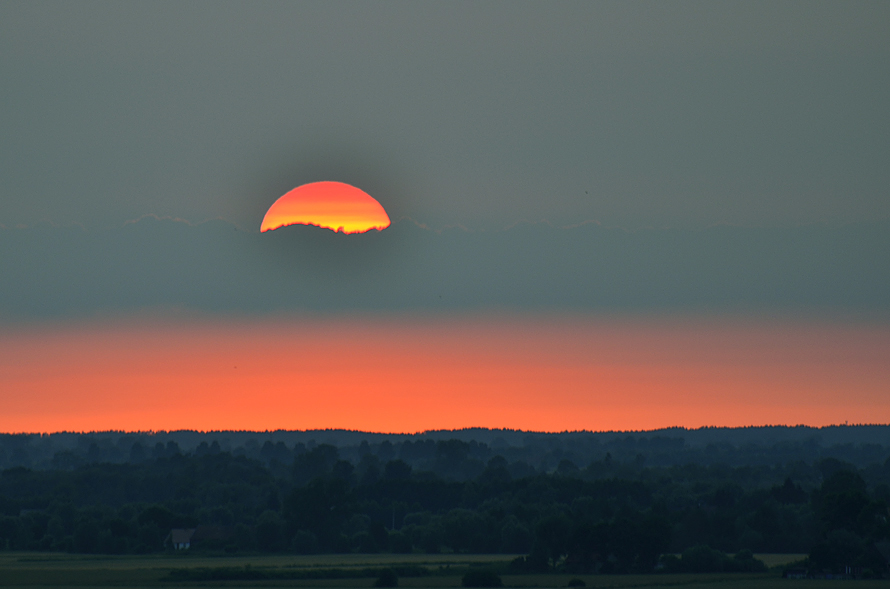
x: 681, y: 114
x: 212, y: 267
x: 539, y: 159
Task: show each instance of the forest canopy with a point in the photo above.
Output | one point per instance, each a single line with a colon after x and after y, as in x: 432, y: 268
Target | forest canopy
x: 677, y: 500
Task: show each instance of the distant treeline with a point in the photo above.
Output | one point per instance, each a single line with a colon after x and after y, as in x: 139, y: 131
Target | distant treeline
x: 622, y: 511
x: 860, y: 445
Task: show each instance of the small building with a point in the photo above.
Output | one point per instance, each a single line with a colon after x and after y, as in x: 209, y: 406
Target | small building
x: 181, y: 538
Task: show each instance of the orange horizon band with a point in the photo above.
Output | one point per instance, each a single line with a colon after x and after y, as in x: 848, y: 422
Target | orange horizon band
x: 397, y: 375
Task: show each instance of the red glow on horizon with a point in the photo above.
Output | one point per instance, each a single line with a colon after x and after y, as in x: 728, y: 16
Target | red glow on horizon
x: 409, y: 376
x: 332, y: 205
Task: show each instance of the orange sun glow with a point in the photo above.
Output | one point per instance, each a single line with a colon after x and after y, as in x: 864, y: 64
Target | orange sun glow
x: 332, y: 205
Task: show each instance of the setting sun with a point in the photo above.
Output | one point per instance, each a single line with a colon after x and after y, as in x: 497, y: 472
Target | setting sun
x: 332, y: 205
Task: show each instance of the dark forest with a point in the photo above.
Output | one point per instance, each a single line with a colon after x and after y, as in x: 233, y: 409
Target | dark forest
x: 670, y: 500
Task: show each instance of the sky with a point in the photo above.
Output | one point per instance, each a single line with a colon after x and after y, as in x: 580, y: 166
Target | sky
x: 605, y: 215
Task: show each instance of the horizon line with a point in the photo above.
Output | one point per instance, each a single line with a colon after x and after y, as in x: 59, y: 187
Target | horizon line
x: 455, y: 430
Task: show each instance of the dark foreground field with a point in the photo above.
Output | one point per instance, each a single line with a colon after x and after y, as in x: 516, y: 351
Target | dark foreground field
x: 25, y: 569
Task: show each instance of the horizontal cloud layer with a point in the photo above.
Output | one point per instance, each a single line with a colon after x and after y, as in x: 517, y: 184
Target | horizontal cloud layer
x: 51, y: 271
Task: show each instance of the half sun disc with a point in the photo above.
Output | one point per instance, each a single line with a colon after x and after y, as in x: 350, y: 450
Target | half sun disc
x: 333, y: 205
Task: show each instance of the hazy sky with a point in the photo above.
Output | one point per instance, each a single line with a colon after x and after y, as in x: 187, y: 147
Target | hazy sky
x: 56, y: 272
x: 481, y: 114
x: 710, y: 179
x: 397, y: 373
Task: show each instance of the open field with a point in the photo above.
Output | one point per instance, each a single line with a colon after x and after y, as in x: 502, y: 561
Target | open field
x: 40, y: 569
x: 21, y: 569
x: 65, y: 561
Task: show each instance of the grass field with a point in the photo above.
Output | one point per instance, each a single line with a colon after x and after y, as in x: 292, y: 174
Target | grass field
x: 19, y: 569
